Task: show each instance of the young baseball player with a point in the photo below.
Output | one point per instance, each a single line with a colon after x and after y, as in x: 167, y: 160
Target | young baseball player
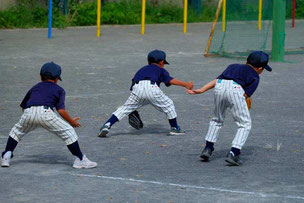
x: 145, y: 90
x: 236, y: 84
x: 37, y: 107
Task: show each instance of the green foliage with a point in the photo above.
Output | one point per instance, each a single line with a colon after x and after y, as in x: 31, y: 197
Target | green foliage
x: 34, y: 13
x: 300, y: 9
x: 163, y: 13
x: 123, y: 12
x: 84, y: 14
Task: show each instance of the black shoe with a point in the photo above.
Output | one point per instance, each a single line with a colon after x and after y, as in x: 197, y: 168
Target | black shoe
x: 206, y: 154
x: 233, y: 160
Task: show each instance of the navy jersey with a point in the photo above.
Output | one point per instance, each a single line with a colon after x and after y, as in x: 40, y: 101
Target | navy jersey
x: 44, y: 94
x: 154, y: 73
x: 244, y: 75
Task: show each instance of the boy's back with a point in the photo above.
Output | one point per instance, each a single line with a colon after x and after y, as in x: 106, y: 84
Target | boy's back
x: 44, y: 94
x: 242, y: 74
x: 153, y: 73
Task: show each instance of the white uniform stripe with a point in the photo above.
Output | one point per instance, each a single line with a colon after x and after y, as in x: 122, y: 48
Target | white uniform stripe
x: 46, y: 118
x: 143, y: 93
x: 228, y: 94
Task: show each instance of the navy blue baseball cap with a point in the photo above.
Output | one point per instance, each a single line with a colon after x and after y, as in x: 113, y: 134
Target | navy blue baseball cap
x: 157, y: 56
x: 259, y: 59
x: 51, y: 69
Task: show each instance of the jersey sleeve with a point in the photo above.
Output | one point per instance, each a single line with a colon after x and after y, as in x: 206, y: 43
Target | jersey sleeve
x: 61, y: 100
x: 25, y: 99
x: 166, y: 78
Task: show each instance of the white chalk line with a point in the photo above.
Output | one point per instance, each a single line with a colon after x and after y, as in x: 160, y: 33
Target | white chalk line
x: 265, y: 195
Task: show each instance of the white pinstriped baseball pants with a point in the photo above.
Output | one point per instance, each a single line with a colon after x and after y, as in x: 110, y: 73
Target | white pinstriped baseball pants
x: 229, y: 94
x: 37, y: 116
x: 146, y: 93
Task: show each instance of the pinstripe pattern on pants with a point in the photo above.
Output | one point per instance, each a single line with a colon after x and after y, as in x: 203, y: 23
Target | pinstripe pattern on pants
x: 37, y: 116
x: 230, y: 95
x: 145, y: 93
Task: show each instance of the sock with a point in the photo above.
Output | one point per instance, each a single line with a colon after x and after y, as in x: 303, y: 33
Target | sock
x: 10, y: 145
x: 235, y: 151
x: 113, y: 119
x: 210, y: 145
x: 75, y: 150
x: 173, y: 123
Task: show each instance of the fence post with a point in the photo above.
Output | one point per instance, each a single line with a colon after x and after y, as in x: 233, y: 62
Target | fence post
x: 143, y: 15
x: 98, y: 17
x: 278, y: 30
x: 50, y: 20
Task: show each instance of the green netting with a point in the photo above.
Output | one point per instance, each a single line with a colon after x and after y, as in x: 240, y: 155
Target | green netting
x: 242, y: 35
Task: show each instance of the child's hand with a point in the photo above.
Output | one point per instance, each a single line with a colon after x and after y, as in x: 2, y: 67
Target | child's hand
x: 75, y: 123
x: 189, y: 85
x: 190, y: 91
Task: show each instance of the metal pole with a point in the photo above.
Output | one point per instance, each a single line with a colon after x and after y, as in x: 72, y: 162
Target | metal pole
x: 278, y: 30
x: 143, y: 15
x: 50, y: 20
x: 224, y: 16
x: 98, y: 17
x: 65, y: 7
x: 293, y: 12
x: 260, y: 14
x: 185, y: 15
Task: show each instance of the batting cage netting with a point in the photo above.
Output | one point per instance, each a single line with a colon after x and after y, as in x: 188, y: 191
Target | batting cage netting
x: 246, y: 25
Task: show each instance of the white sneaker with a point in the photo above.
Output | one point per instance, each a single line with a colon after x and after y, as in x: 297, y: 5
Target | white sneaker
x: 5, y: 160
x: 84, y: 163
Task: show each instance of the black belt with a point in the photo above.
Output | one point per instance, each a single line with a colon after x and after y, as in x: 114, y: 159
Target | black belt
x: 47, y: 107
x: 152, y: 82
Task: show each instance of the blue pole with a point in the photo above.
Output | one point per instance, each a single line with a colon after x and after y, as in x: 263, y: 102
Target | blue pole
x: 50, y: 20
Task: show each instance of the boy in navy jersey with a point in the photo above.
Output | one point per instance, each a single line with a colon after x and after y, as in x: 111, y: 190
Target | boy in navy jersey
x: 38, y: 106
x: 237, y: 83
x: 145, y: 90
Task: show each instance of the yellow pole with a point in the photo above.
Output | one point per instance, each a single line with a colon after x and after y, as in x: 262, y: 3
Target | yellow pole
x: 224, y: 16
x: 260, y: 14
x: 143, y: 14
x: 98, y: 17
x: 185, y: 15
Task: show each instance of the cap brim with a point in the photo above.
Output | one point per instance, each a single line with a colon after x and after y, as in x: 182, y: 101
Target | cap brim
x: 267, y: 67
x: 166, y: 62
x: 59, y: 78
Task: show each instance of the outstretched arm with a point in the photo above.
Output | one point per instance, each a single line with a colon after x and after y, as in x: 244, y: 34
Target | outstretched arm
x: 205, y: 88
x: 187, y: 85
x: 66, y: 116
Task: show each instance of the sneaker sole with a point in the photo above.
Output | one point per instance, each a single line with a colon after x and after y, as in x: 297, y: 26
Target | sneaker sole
x: 230, y: 161
x: 204, y: 157
x: 5, y: 166
x: 103, y: 133
x: 80, y: 167
x: 173, y: 134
